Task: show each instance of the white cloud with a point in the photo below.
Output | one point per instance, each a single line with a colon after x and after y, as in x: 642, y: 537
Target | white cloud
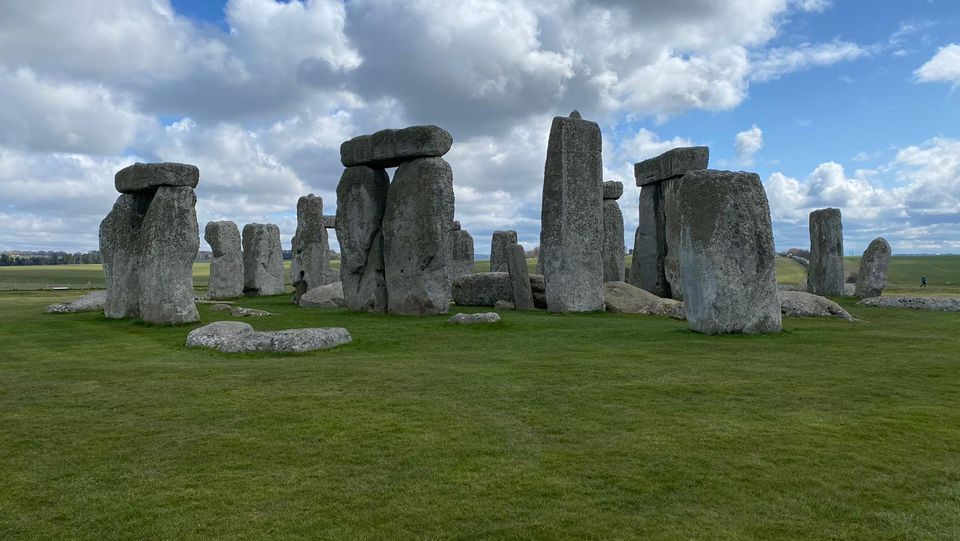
x: 944, y: 67
x: 776, y: 63
x: 747, y: 144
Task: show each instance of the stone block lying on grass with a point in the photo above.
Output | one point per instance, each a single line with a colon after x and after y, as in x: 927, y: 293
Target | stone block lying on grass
x: 624, y: 298
x: 917, y: 303
x: 475, y: 319
x: 801, y: 304
x: 87, y: 303
x: 328, y: 296
x: 239, y: 337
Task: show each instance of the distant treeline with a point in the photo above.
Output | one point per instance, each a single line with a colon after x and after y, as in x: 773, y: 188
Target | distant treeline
x: 15, y: 258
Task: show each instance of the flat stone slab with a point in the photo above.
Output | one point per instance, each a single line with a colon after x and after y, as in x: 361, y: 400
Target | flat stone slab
x: 239, y: 311
x: 671, y: 164
x: 141, y: 177
x: 88, y: 303
x: 612, y: 189
x: 390, y: 148
x: 934, y: 304
x: 239, y: 337
x: 475, y: 319
x: 624, y: 298
x: 220, y: 307
x: 802, y: 304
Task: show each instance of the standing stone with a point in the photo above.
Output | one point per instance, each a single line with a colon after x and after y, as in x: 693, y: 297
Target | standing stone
x: 310, y: 255
x: 262, y: 260
x: 462, y: 252
x: 727, y: 257
x: 872, y: 276
x: 361, y: 200
x: 170, y: 240
x: 226, y: 268
x: 417, y: 249
x: 613, y: 256
x: 571, y: 235
x: 650, y: 244
x: 519, y: 278
x: 825, y: 273
x: 120, y: 251
x: 671, y: 236
x: 501, y: 247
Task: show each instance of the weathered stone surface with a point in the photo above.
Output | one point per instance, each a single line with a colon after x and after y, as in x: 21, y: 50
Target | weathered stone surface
x: 613, y: 256
x: 262, y: 260
x: 390, y: 148
x: 141, y: 177
x: 226, y: 267
x: 612, y: 189
x: 328, y: 296
x: 239, y: 311
x: 504, y: 305
x: 671, y: 164
x: 571, y: 234
x: 329, y: 222
x: 239, y: 337
x: 671, y: 236
x: 801, y: 304
x: 220, y: 307
x: 169, y: 240
x: 482, y: 289
x: 650, y: 244
x: 917, y: 303
x: 539, y: 288
x: 872, y: 276
x: 825, y: 274
x: 417, y: 249
x: 120, y: 252
x: 361, y: 200
x: 727, y: 258
x: 519, y: 278
x: 621, y: 297
x: 501, y: 246
x: 456, y: 226
x: 849, y: 290
x: 475, y: 319
x: 311, y: 246
x: 90, y: 302
x: 462, y: 252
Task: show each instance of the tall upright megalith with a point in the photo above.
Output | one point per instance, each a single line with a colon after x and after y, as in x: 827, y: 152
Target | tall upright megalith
x: 501, y: 246
x: 310, y: 260
x: 462, y: 251
x: 571, y: 234
x: 613, y: 256
x: 872, y: 276
x: 727, y: 258
x: 149, y: 242
x: 262, y: 260
x: 361, y: 200
x: 226, y: 267
x: 825, y: 274
x: 519, y: 278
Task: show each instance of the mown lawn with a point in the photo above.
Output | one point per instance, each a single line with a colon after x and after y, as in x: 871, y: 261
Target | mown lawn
x: 594, y: 426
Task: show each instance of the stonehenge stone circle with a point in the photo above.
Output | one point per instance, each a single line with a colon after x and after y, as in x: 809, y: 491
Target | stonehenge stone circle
x: 462, y: 251
x: 390, y: 148
x: 148, y: 243
x: 519, y: 278
x: 571, y: 234
x: 311, y: 247
x: 417, y: 250
x: 872, y: 276
x: 501, y: 246
x: 262, y: 260
x: 727, y: 258
x: 825, y: 274
x: 361, y: 200
x: 613, y: 256
x: 226, y: 267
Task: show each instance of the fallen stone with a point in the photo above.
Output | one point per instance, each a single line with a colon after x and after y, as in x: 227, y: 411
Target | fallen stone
x: 238, y: 311
x: 361, y: 200
x: 238, y: 337
x: 262, y: 260
x: 934, y: 304
x: 612, y: 189
x: 612, y: 253
x: 500, y: 247
x: 872, y: 276
x: 504, y: 305
x: 519, y: 278
x: 88, y: 303
x: 390, y: 148
x: 801, y: 304
x: 475, y: 319
x: 673, y: 163
x: 849, y: 290
x: 141, y: 177
x: 727, y: 258
x: 624, y: 298
x: 825, y: 274
x: 220, y: 307
x: 328, y: 296
x: 226, y: 267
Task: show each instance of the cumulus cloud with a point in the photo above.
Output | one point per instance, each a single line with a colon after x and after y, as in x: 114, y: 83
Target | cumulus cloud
x: 747, y: 144
x: 944, y: 67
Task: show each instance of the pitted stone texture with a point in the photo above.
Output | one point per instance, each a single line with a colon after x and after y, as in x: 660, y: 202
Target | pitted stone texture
x: 872, y: 276
x: 849, y: 290
x: 238, y: 337
x: 361, y: 200
x: 262, y: 260
x: 120, y: 252
x: 220, y: 307
x: 141, y: 177
x: 519, y: 278
x: 328, y: 296
x: 623, y: 298
x: 482, y: 289
x: 727, y: 254
x: 462, y: 252
x: 801, y: 304
x: 613, y: 256
x: 330, y: 222
x: 571, y: 234
x: 475, y: 319
x: 612, y: 189
x: 311, y: 246
x: 239, y: 311
x: 539, y: 288
x: 500, y: 247
x: 90, y: 302
x: 671, y: 236
x: 390, y: 148
x: 917, y: 303
x: 671, y: 164
x: 825, y: 274
x: 170, y: 240
x: 504, y: 305
x: 650, y: 244
x: 417, y: 248
x: 456, y: 226
x: 226, y: 267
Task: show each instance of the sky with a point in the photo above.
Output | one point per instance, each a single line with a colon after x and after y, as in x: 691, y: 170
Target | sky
x: 849, y: 104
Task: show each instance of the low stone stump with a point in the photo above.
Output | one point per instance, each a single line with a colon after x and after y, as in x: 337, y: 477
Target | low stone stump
x: 90, y: 302
x: 475, y: 319
x: 239, y: 337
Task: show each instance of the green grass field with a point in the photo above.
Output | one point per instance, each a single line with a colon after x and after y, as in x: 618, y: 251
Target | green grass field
x: 597, y: 426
